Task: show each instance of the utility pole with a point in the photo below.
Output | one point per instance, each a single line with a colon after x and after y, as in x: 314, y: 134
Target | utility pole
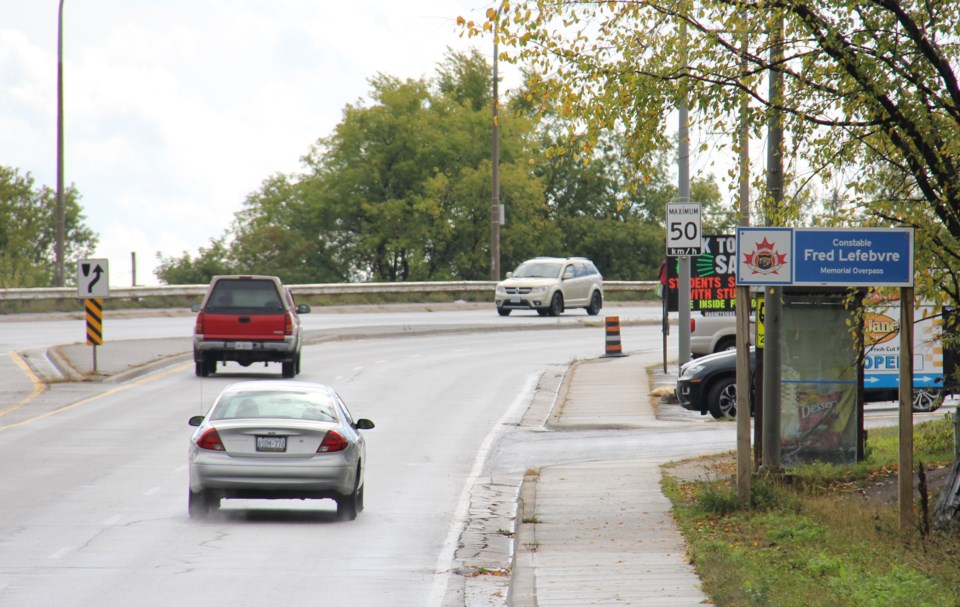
x: 744, y: 465
x: 495, y: 202
x: 61, y: 221
x: 773, y: 296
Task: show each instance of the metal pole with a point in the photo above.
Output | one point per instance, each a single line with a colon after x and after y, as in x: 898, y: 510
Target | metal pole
x: 60, y: 214
x: 744, y: 465
x: 683, y: 195
x: 495, y: 202
x: 773, y: 297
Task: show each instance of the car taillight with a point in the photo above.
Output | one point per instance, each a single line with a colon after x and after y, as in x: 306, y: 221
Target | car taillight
x: 332, y: 441
x: 211, y: 440
x: 693, y: 325
x: 198, y: 328
x: 288, y: 329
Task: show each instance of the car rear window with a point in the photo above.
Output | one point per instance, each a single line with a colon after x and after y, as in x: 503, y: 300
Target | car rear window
x: 246, y: 296
x: 315, y: 406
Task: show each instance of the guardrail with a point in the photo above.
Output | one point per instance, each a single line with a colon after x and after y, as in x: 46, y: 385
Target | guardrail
x: 308, y: 289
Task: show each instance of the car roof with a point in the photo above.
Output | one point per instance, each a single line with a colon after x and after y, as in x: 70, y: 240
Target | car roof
x: 275, y: 385
x: 244, y: 277
x: 546, y: 258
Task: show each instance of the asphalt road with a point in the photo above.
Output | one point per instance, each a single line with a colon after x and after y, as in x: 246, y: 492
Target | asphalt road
x: 95, y: 494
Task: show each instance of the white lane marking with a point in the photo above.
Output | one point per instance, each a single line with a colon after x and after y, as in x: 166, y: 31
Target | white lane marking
x: 441, y: 573
x: 59, y: 554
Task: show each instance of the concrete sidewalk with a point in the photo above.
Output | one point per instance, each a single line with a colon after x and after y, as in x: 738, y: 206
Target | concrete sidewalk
x: 601, y: 533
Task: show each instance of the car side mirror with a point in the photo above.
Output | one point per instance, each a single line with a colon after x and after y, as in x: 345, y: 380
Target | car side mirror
x: 195, y: 308
x: 196, y: 420
x: 363, y: 424
x: 303, y: 309
x: 509, y: 274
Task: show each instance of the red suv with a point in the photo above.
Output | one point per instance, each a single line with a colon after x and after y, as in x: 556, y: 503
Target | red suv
x: 248, y: 319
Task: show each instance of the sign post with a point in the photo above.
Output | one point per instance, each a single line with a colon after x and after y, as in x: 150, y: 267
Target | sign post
x: 93, y: 284
x: 843, y: 258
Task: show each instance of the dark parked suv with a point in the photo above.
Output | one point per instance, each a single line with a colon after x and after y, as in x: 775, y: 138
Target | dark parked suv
x: 248, y: 319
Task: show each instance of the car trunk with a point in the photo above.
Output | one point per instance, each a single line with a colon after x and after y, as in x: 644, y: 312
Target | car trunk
x: 239, y: 327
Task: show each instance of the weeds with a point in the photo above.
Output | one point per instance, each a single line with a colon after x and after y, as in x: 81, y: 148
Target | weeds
x: 814, y: 538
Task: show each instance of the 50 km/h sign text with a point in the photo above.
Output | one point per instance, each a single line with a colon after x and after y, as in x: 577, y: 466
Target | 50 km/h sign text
x: 683, y: 229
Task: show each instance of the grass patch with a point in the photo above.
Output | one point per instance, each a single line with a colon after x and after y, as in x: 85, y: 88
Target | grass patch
x: 817, y: 537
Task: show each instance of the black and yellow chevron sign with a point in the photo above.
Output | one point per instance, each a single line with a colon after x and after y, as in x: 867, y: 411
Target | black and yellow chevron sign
x: 94, y: 321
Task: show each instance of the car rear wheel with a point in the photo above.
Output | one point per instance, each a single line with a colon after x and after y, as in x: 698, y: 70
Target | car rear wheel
x: 503, y: 311
x: 200, y: 504
x: 595, y: 304
x: 205, y: 367
x: 722, y: 398
x: 349, y: 506
x: 288, y: 369
x: 926, y: 400
x: 296, y: 366
x: 556, y: 305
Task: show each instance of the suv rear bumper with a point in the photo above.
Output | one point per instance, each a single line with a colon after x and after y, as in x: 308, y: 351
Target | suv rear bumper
x: 244, y: 351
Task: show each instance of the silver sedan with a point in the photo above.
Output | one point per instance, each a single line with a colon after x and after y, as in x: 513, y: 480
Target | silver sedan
x: 277, y: 440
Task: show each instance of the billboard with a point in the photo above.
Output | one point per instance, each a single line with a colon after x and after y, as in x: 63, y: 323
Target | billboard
x: 713, y: 284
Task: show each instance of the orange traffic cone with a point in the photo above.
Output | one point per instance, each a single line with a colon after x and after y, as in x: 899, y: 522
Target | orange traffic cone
x: 613, y: 347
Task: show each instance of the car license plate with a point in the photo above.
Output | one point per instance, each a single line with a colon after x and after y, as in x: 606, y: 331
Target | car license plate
x: 515, y: 299
x: 243, y: 345
x: 271, y: 443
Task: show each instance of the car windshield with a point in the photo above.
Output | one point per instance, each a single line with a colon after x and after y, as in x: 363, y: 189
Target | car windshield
x: 538, y: 269
x: 281, y: 404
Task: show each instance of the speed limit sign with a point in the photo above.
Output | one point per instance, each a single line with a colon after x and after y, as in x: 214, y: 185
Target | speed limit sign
x: 683, y: 229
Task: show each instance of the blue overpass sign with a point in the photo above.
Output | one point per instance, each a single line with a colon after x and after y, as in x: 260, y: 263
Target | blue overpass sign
x: 825, y: 257
x: 853, y: 257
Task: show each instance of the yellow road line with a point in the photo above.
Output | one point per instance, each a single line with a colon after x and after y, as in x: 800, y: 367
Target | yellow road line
x: 122, y: 388
x: 38, y: 386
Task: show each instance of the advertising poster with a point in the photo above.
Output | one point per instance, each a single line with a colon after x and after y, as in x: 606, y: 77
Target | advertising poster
x: 818, y: 386
x: 881, y: 357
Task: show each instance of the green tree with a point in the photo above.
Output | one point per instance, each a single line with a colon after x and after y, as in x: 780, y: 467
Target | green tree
x: 210, y: 261
x: 871, y: 89
x: 28, y: 231
x: 277, y: 233
x: 402, y: 186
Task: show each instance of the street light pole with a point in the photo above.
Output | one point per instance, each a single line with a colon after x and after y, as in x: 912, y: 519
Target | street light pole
x: 61, y: 222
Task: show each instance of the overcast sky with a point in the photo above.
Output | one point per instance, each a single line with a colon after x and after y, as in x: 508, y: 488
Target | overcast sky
x: 176, y: 110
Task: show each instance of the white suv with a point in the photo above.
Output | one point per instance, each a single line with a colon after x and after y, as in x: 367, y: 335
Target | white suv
x: 550, y: 285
